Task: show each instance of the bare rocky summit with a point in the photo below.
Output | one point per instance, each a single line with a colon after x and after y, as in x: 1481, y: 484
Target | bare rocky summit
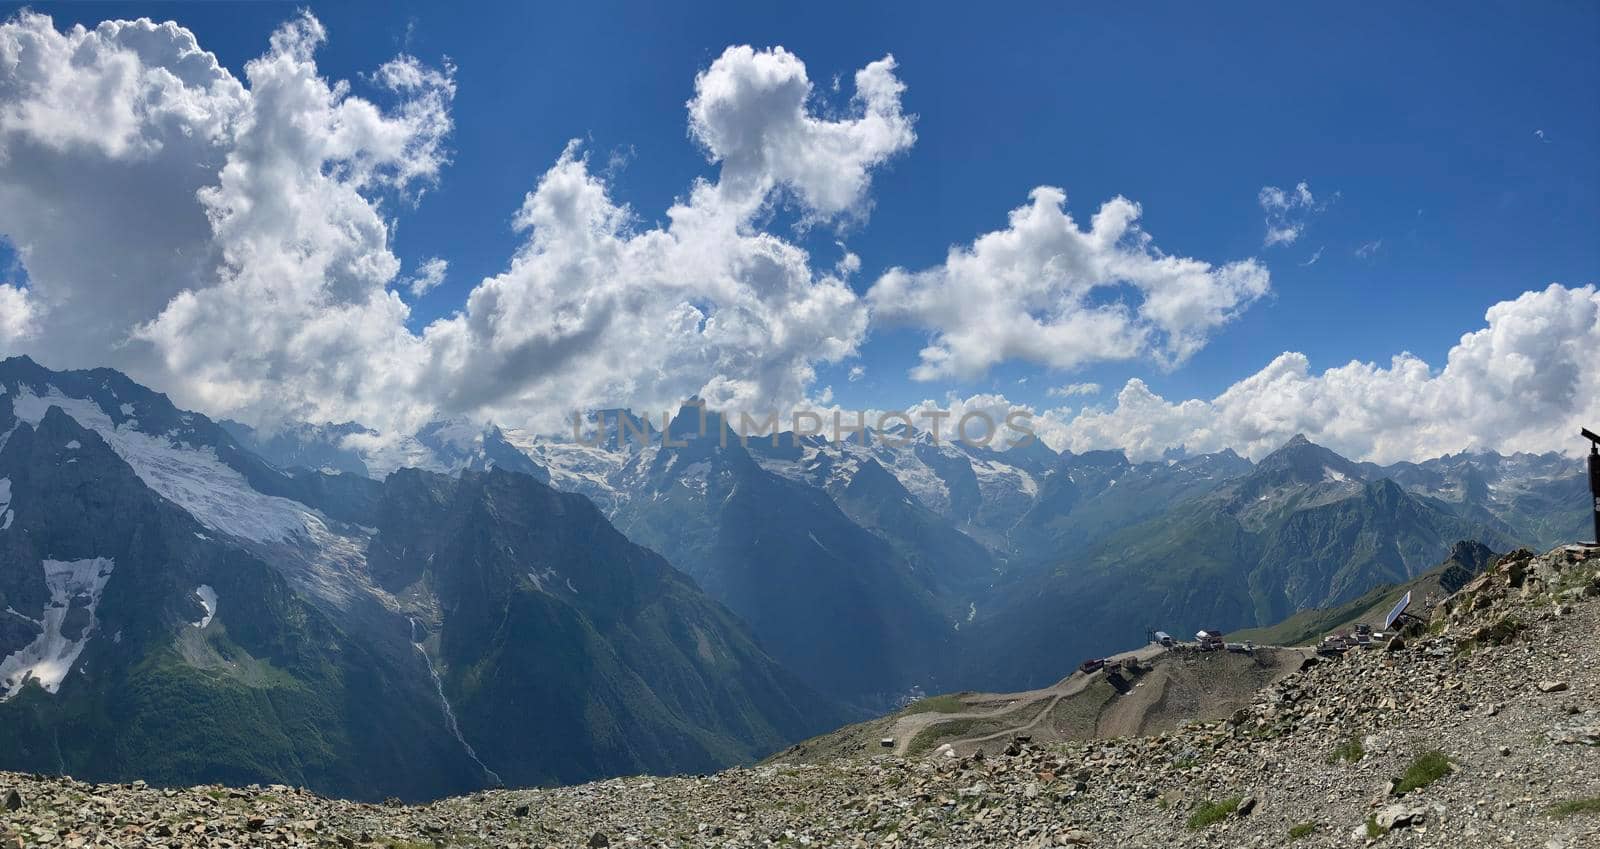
x: 1480, y: 728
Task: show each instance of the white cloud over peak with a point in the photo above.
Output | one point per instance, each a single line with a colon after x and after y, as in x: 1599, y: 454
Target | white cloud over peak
x: 1521, y: 383
x: 16, y: 316
x: 593, y: 311
x: 596, y: 311
x: 106, y: 134
x: 296, y: 212
x: 1045, y: 291
x: 229, y: 240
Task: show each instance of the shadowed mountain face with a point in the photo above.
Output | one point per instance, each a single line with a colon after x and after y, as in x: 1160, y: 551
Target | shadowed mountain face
x: 833, y: 601
x: 173, y: 608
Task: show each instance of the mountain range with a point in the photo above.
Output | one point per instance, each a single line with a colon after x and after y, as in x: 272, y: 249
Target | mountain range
x: 174, y: 608
x: 183, y: 600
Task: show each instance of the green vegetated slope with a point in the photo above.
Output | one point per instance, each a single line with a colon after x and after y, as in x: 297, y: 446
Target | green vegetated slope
x: 1308, y: 627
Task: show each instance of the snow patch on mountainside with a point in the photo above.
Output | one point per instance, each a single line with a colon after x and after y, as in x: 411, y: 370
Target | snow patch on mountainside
x: 208, y: 600
x: 832, y: 466
x: 995, y: 478
x: 319, y: 558
x: 74, y: 585
x: 585, y: 469
x: 190, y: 476
x: 5, y: 503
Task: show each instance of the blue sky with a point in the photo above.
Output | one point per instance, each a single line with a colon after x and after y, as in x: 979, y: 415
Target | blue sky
x: 1422, y: 118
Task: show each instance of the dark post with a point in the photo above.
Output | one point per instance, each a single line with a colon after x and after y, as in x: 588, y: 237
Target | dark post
x: 1594, y: 476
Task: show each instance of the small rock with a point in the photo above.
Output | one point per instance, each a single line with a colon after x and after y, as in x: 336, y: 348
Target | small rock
x: 599, y: 840
x: 13, y: 801
x: 1552, y: 686
x: 1399, y: 816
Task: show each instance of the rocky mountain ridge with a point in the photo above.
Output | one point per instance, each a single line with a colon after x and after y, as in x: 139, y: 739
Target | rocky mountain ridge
x: 174, y: 608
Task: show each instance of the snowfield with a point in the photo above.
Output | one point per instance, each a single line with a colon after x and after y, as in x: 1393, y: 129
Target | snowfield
x: 208, y: 600
x: 50, y: 656
x: 190, y: 476
x: 320, y: 558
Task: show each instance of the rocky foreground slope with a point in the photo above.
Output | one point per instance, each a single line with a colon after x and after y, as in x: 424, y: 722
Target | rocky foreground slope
x: 1482, y: 729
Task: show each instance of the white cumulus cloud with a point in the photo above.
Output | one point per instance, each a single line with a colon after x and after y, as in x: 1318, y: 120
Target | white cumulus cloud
x: 106, y: 134
x: 1045, y: 291
x: 751, y: 113
x: 230, y: 240
x: 300, y: 320
x: 1523, y: 382
x: 16, y: 317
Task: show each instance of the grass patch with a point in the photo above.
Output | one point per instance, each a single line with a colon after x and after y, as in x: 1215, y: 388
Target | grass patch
x: 1575, y: 807
x: 1427, y: 768
x: 1302, y: 830
x: 1374, y: 831
x: 933, y: 735
x: 1348, y: 752
x: 1212, y: 813
x: 935, y: 704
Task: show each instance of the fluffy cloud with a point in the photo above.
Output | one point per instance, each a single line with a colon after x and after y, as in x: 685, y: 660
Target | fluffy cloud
x: 105, y: 137
x: 1042, y: 290
x: 1521, y: 383
x: 16, y: 317
x: 751, y: 113
x: 595, y: 310
x: 301, y: 321
x: 230, y: 241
